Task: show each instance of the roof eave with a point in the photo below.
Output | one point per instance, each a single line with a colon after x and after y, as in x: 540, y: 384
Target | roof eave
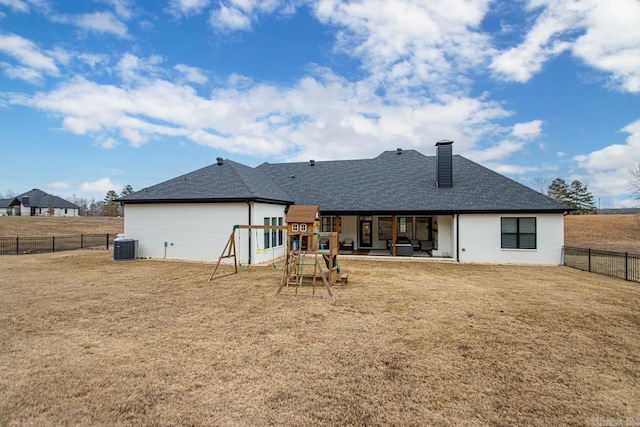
x: 205, y: 200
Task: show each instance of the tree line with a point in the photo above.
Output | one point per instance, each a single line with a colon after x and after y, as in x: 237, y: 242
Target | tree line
x: 106, y: 207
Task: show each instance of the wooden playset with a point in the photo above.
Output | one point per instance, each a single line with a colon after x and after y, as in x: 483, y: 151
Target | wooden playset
x: 311, y: 257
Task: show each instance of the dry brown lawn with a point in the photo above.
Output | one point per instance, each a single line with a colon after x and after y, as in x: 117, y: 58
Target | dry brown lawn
x: 619, y: 233
x: 34, y: 226
x: 88, y: 341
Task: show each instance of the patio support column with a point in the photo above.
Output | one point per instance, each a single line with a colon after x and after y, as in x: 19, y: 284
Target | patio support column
x: 393, y: 235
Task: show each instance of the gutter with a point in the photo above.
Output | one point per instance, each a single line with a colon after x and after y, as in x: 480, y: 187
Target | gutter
x: 457, y: 237
x: 249, y: 239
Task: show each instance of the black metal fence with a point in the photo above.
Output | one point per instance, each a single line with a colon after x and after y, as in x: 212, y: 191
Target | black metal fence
x: 39, y: 245
x: 622, y: 265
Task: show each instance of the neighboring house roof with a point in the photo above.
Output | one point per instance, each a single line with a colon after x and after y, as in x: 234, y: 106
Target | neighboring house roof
x: 302, y: 213
x: 40, y: 199
x: 395, y: 181
x: 7, y: 203
x: 225, y: 180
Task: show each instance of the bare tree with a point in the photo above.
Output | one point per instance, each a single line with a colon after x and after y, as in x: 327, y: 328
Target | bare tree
x: 634, y: 180
x: 82, y: 202
x: 8, y: 194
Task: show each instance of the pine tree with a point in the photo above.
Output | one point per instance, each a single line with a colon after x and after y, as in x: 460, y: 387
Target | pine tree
x: 559, y: 190
x: 126, y: 190
x: 111, y: 207
x: 581, y: 197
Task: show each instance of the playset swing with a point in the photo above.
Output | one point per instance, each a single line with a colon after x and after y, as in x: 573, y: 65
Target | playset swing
x: 229, y: 250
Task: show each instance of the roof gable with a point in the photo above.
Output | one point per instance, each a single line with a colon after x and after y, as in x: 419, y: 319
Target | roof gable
x: 302, y: 213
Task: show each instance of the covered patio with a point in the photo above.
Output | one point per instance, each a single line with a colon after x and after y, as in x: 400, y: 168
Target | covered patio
x: 407, y: 234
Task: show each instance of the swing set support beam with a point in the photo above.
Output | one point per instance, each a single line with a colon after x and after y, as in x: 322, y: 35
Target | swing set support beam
x: 229, y: 250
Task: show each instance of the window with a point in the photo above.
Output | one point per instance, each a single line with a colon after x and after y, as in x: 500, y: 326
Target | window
x: 294, y: 227
x: 404, y: 227
x: 271, y: 236
x: 303, y: 227
x: 267, y: 221
x: 274, y: 232
x: 329, y: 223
x: 384, y: 228
x: 518, y: 233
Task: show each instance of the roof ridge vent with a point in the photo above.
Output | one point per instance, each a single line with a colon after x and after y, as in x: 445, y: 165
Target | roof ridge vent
x: 312, y: 162
x: 398, y: 151
x: 219, y: 161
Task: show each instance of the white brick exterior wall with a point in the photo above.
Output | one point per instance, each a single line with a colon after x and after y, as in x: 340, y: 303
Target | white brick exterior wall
x: 197, y: 231
x: 479, y: 238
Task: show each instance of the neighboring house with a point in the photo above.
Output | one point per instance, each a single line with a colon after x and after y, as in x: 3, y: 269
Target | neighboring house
x: 400, y: 202
x: 37, y: 203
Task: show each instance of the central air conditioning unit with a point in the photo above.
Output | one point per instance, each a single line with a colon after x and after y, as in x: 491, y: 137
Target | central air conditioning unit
x: 125, y: 249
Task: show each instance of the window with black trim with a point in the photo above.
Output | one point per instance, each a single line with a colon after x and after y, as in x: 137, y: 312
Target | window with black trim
x: 518, y: 233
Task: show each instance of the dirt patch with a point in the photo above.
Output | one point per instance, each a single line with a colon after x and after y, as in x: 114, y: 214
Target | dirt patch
x: 154, y: 343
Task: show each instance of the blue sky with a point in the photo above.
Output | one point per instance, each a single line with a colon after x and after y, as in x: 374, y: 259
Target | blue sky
x: 98, y: 94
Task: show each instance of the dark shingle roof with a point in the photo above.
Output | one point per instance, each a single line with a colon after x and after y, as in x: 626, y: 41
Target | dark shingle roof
x: 40, y: 199
x: 218, y: 182
x: 395, y: 182
x: 5, y: 203
x: 391, y: 182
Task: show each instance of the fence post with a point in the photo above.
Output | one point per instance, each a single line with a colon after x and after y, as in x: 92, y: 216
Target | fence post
x: 589, y: 260
x: 81, y: 241
x: 53, y: 243
x: 107, y: 241
x: 17, y: 245
x: 626, y: 266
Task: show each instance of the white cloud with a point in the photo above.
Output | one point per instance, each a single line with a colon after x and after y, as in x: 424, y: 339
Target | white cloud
x: 238, y: 15
x: 405, y: 44
x: 529, y: 130
x: 108, y: 143
x: 25, y: 6
x: 192, y: 74
x: 101, y: 186
x: 499, y: 151
x: 607, y: 169
x: 313, y: 117
x: 97, y: 22
x: 22, y: 73
x: 512, y: 169
x: 229, y: 18
x: 27, y: 53
x: 122, y: 8
x: 16, y: 5
x: 611, y: 42
x: 132, y: 68
x: 59, y: 185
x: 605, y: 35
x: 187, y: 7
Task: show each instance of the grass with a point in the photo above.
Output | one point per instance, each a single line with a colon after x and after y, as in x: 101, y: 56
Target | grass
x: 34, y: 226
x: 620, y: 233
x: 154, y: 343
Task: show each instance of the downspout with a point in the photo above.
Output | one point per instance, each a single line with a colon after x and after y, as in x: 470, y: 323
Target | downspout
x: 458, y: 237
x: 249, y: 239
